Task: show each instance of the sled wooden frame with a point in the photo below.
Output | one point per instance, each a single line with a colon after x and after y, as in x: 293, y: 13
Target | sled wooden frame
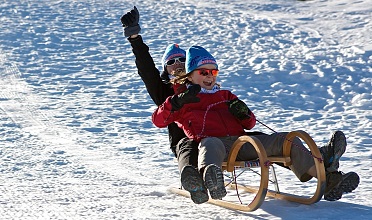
x: 262, y: 191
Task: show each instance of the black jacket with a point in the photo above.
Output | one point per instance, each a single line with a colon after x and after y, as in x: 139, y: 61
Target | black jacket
x: 158, y: 86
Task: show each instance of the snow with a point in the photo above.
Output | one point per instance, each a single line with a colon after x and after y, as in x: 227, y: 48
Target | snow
x: 76, y: 138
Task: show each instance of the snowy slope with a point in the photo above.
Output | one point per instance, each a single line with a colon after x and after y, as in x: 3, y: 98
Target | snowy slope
x: 76, y: 138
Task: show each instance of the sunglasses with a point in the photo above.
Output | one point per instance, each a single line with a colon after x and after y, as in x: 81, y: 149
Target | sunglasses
x: 173, y: 61
x: 206, y: 72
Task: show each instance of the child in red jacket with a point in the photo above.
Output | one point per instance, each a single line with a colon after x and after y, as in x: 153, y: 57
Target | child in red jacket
x: 215, y: 118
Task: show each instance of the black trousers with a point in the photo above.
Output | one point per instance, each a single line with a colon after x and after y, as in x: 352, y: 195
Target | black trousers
x: 187, y: 153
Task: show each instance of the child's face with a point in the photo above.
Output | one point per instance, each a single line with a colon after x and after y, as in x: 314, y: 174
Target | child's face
x: 176, y: 68
x: 205, y: 81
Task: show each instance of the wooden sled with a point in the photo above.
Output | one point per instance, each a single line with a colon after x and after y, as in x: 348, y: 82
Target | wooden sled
x: 264, y: 164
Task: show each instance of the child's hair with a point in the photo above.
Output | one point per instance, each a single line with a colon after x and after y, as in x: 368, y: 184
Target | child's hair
x: 180, y: 78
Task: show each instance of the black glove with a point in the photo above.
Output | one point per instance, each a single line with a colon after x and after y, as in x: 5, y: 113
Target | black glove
x: 130, y: 22
x: 239, y: 109
x: 188, y: 96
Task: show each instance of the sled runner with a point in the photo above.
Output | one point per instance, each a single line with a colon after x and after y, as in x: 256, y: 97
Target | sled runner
x: 263, y: 163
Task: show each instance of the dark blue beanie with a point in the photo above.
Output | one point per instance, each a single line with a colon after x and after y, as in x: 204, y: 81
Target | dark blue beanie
x: 171, y: 52
x: 197, y: 56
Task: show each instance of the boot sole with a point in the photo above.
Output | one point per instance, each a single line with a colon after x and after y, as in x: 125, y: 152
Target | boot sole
x: 339, y: 147
x: 350, y: 182
x: 214, y: 182
x: 334, y: 193
x: 194, y: 184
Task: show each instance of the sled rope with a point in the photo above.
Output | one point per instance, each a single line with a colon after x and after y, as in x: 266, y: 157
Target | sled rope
x: 308, y: 152
x: 236, y: 185
x: 217, y: 103
x: 235, y: 177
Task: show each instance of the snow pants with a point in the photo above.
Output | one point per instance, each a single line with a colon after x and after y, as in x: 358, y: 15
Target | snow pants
x: 187, y: 153
x: 213, y: 150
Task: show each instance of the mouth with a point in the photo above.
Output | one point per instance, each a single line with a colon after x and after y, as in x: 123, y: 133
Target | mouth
x: 207, y: 82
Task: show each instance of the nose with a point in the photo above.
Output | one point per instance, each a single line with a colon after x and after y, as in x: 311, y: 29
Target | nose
x: 177, y: 63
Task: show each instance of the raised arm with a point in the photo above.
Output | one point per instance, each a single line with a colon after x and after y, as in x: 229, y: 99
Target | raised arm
x: 147, y: 70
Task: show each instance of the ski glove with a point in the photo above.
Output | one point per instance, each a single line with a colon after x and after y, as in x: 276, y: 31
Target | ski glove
x: 188, y: 96
x: 239, y: 109
x: 130, y: 22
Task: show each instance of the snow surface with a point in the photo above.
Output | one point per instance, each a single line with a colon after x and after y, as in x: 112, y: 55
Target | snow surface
x: 76, y: 138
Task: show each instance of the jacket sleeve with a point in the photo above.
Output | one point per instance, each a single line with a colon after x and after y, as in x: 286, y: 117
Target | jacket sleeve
x: 157, y: 89
x: 163, y: 115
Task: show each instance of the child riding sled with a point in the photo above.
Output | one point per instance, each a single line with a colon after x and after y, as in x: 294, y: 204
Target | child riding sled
x: 215, y: 118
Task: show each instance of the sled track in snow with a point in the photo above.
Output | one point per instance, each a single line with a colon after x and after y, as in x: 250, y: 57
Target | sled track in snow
x: 40, y: 156
x: 16, y: 98
x: 25, y: 109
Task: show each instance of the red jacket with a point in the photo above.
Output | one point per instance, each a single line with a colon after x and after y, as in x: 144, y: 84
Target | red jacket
x: 208, y: 118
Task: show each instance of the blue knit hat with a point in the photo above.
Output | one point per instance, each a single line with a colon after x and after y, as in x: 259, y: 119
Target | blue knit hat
x: 197, y: 56
x: 171, y: 52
